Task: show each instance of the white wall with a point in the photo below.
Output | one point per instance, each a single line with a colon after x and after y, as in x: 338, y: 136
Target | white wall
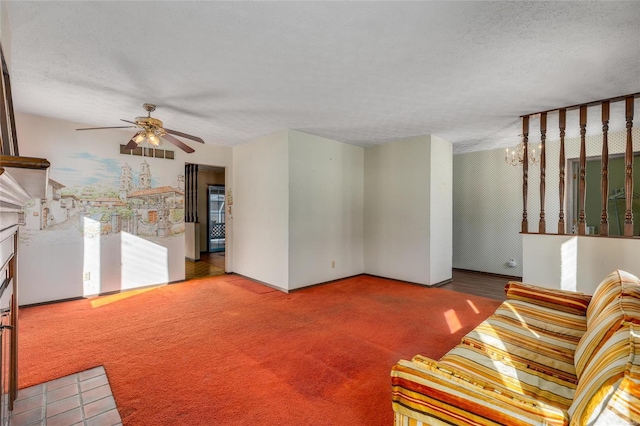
x: 54, y: 261
x: 326, y: 193
x: 576, y: 263
x: 279, y: 231
x: 487, y: 210
x: 192, y: 241
x: 441, y: 206
x: 487, y: 202
x: 261, y: 209
x: 5, y: 34
x: 398, y: 212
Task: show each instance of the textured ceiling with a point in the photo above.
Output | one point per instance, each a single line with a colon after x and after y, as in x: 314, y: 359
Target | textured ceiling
x: 359, y: 72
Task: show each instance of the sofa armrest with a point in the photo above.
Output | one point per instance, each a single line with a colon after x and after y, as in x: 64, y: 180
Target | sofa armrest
x: 434, y: 393
x: 561, y: 300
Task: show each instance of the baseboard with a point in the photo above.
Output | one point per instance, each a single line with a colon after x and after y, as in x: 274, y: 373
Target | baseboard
x: 299, y: 288
x: 325, y: 282
x: 507, y: 277
x: 441, y: 283
x: 261, y: 282
x: 51, y: 302
x: 105, y: 293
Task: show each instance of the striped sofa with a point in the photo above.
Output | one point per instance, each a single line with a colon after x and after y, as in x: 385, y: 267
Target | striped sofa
x: 545, y: 357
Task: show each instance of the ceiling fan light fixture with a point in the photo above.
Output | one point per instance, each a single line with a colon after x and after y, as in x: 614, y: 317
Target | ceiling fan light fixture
x: 151, y: 131
x: 153, y: 139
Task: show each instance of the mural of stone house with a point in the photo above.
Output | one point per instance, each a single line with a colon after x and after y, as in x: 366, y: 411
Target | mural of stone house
x: 55, y: 209
x: 54, y: 190
x: 107, y: 202
x: 72, y: 204
x: 50, y: 210
x: 160, y: 210
x: 137, y: 209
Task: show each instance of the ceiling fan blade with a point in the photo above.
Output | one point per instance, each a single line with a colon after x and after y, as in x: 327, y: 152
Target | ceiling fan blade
x: 127, y: 121
x: 184, y: 135
x: 132, y: 143
x: 113, y: 127
x: 186, y: 148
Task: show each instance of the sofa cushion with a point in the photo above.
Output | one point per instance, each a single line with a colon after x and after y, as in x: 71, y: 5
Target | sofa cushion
x: 504, y: 373
x: 623, y: 306
x: 526, y: 347
x: 607, y: 392
x: 542, y: 318
x: 424, y: 390
x: 608, y: 290
x: 560, y: 300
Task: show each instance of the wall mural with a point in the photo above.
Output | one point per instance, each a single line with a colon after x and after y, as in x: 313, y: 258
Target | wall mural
x: 112, y: 195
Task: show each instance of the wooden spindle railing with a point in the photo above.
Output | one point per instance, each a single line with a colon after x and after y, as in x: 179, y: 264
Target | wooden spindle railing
x: 582, y: 165
x: 187, y: 193
x: 191, y: 192
x: 542, y: 226
x: 563, y: 125
x: 525, y: 172
x: 582, y: 183
x: 604, y: 216
x: 628, y: 181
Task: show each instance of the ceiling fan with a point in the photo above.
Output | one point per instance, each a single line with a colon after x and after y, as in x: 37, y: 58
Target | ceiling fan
x: 152, y: 131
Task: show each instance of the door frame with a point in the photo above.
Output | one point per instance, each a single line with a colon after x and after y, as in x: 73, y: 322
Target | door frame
x: 224, y: 189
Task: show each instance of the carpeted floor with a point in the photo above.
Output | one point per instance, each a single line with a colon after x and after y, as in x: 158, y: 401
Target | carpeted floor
x: 228, y: 351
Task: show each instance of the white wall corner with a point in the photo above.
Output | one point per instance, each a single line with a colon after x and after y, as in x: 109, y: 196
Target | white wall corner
x: 441, y: 211
x: 398, y: 209
x: 261, y: 209
x: 326, y: 195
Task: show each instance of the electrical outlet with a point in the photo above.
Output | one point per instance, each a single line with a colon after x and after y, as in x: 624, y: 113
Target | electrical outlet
x: 86, y: 276
x: 333, y: 264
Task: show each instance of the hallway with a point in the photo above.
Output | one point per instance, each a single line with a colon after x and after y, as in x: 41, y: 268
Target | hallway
x: 210, y: 264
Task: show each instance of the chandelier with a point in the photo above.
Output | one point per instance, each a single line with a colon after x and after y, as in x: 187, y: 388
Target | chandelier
x: 515, y: 156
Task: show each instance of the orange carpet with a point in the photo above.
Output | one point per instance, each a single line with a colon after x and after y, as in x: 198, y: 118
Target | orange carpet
x: 228, y: 351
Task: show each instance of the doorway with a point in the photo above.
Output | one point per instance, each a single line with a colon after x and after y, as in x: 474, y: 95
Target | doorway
x: 206, y: 234
x: 216, y: 218
x: 616, y: 207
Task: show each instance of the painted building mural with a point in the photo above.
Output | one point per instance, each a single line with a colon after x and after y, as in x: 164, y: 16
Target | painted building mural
x: 110, y: 221
x: 137, y: 205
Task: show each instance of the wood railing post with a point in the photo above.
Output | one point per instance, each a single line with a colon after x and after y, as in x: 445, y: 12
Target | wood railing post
x: 628, y: 181
x: 525, y: 172
x: 563, y: 125
x: 191, y: 193
x: 604, y: 216
x: 187, y: 193
x: 582, y: 183
x: 542, y: 225
x: 195, y: 193
x: 579, y: 199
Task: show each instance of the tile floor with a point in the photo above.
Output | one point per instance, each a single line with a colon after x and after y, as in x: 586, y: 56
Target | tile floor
x: 82, y: 399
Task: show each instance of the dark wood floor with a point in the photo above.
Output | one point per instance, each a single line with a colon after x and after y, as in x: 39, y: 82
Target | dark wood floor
x: 479, y: 283
x: 210, y: 264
